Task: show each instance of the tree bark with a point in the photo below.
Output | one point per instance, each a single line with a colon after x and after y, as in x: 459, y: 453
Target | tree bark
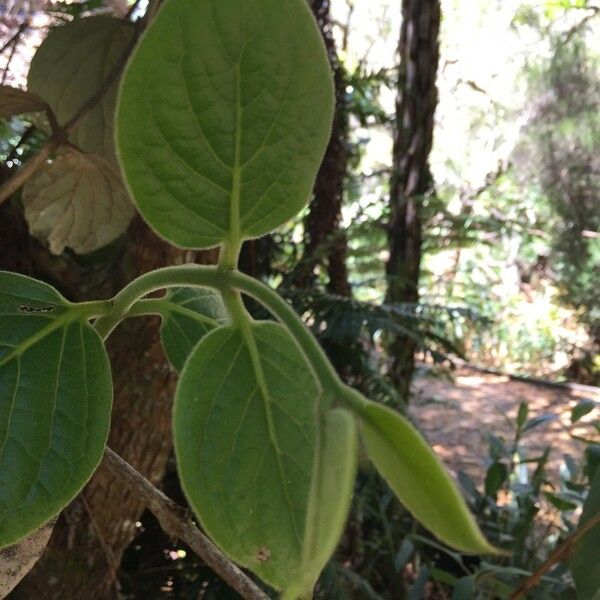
x: 326, y: 243
x: 411, y: 178
x: 83, y: 556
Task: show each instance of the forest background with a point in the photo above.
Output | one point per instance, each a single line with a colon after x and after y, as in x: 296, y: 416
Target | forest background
x: 455, y: 221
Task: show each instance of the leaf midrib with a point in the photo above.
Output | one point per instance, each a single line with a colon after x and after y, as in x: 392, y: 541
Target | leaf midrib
x: 38, y: 336
x: 177, y: 309
x: 236, y: 187
x: 249, y: 341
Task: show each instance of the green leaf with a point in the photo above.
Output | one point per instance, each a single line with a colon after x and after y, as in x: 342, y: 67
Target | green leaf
x: 189, y: 315
x: 465, y: 588
x: 330, y: 500
x: 14, y: 101
x: 419, y: 479
x: 539, y: 420
x: 581, y: 409
x: 245, y: 432
x: 592, y: 460
x: 228, y: 145
x: 560, y: 502
x: 522, y: 415
x: 77, y: 201
x: 55, y: 400
x: 71, y: 65
x: 494, y: 478
x: 498, y: 448
x: 584, y: 564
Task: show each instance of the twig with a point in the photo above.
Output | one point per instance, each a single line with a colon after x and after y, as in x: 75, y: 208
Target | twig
x: 15, y: 37
x: 584, y: 21
x: 176, y: 522
x: 557, y: 556
x: 108, y: 553
x: 11, y: 55
x: 28, y: 170
x: 14, y: 153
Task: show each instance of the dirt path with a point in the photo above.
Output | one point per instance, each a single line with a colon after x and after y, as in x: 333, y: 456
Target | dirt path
x: 457, y: 417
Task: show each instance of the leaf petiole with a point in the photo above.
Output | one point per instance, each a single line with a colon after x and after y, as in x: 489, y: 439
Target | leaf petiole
x: 226, y: 281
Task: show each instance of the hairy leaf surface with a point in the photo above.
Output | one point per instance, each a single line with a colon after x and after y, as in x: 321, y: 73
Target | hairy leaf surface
x: 229, y: 143
x: 71, y: 65
x: 419, y: 479
x: 331, y: 496
x: 55, y: 399
x: 14, y: 101
x: 584, y: 563
x: 190, y: 313
x: 245, y: 432
x: 77, y: 201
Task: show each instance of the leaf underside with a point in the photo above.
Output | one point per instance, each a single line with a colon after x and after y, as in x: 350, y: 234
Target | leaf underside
x: 228, y: 145
x: 55, y: 400
x: 419, y: 479
x: 14, y: 101
x: 189, y: 315
x: 245, y: 432
x: 70, y: 65
x: 330, y: 500
x: 78, y: 201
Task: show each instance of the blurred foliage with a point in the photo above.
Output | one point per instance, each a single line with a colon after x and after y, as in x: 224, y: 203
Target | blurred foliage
x: 565, y: 131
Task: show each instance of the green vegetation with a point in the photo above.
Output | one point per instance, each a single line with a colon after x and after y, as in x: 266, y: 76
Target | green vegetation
x: 221, y: 202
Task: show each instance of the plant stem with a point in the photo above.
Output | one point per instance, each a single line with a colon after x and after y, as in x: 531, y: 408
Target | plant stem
x: 313, y: 352
x: 92, y: 310
x: 226, y: 281
x: 561, y: 553
x: 168, y: 277
x: 163, y: 307
x: 27, y: 171
x: 176, y: 521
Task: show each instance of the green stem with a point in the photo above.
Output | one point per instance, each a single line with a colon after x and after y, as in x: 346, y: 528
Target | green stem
x: 92, y: 310
x: 235, y: 307
x: 169, y: 277
x: 163, y: 307
x: 315, y: 355
x: 226, y: 281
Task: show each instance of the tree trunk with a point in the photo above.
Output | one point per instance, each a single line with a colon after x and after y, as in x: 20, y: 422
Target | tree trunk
x: 83, y: 556
x: 326, y: 243
x: 411, y: 179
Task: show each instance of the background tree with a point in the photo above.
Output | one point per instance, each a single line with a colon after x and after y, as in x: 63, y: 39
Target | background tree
x: 411, y: 179
x: 325, y: 243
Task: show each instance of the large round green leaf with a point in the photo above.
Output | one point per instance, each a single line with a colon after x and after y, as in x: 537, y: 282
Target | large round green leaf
x: 55, y: 399
x: 245, y: 431
x: 223, y: 118
x: 71, y: 65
